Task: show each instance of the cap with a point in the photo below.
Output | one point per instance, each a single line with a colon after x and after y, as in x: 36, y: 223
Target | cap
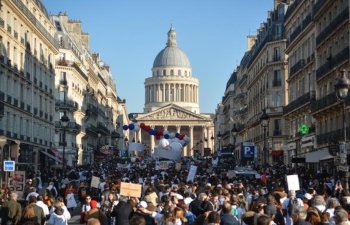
x: 307, y: 196
x: 208, y: 184
x: 219, y: 186
x: 143, y: 204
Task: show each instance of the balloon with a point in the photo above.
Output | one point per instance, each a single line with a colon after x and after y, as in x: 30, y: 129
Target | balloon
x: 163, y: 143
x: 150, y: 132
x: 166, y: 136
x: 131, y: 126
x: 177, y: 135
x: 147, y: 128
x: 157, y: 137
x: 125, y: 127
x: 165, y: 132
x: 142, y: 125
x: 172, y: 135
x: 136, y: 127
x: 154, y: 132
x: 160, y: 133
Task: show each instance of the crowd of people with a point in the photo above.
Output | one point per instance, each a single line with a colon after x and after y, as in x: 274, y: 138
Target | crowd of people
x: 169, y: 198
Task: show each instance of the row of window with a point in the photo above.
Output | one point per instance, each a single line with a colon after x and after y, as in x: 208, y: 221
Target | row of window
x: 171, y: 72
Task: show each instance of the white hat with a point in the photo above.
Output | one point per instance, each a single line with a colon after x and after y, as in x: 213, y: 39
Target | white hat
x: 219, y: 186
x: 208, y: 184
x: 308, y: 196
x: 143, y: 204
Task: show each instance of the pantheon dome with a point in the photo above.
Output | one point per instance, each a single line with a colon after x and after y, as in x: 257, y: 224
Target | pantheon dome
x: 172, y: 81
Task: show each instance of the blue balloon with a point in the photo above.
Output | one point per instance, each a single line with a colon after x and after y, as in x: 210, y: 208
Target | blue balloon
x: 131, y: 126
x: 166, y: 136
x: 155, y: 132
x: 150, y: 132
x: 125, y: 127
x: 177, y: 135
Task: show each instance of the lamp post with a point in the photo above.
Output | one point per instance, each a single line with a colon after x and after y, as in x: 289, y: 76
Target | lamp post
x: 212, y: 143
x: 64, y: 121
x: 219, y: 139
x: 234, y: 132
x: 264, y: 121
x: 342, y: 88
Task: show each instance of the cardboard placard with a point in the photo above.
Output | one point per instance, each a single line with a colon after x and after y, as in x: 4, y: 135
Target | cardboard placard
x: 95, y: 182
x: 293, y: 182
x: 17, y: 183
x: 191, y: 173
x: 130, y: 190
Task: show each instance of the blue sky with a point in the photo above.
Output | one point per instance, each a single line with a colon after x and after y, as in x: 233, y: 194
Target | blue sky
x: 128, y: 34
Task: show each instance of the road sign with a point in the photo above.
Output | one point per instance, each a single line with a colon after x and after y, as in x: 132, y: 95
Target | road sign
x: 9, y: 165
x: 343, y: 168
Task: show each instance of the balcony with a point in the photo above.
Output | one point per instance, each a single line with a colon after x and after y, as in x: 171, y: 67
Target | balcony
x: 91, y: 129
x: 332, y: 63
x: 330, y: 137
x: 319, y: 4
x: 63, y: 82
x: 35, y: 111
x: 71, y: 126
x: 66, y: 105
x: 102, y: 128
x: 92, y: 110
x: 22, y: 105
x: 2, y: 59
x: 295, y: 34
x: 15, y: 34
x: 333, y: 25
x: 292, y: 8
x: 9, y: 99
x: 15, y: 102
x: 324, y: 102
x: 296, y: 67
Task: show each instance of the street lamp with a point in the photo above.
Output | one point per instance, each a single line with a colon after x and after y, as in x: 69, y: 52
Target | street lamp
x: 212, y: 142
x: 234, y: 132
x: 219, y: 139
x: 264, y: 121
x: 342, y: 88
x: 64, y: 121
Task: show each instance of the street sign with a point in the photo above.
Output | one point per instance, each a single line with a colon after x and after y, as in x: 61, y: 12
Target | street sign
x: 9, y: 165
x: 343, y: 168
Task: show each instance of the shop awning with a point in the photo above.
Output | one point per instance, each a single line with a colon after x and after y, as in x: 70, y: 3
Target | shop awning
x: 319, y: 155
x: 51, y: 156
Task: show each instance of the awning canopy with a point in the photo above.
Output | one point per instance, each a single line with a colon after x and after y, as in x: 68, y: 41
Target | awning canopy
x: 51, y: 156
x: 319, y: 155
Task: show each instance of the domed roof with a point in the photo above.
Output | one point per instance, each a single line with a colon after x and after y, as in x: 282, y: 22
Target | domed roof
x: 171, y: 55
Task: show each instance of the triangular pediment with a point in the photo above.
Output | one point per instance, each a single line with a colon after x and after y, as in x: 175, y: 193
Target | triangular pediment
x: 172, y: 112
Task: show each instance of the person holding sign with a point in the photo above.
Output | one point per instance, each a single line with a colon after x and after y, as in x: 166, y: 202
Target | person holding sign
x: 122, y: 212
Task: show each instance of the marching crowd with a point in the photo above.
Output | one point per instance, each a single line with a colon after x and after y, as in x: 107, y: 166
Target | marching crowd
x: 169, y: 198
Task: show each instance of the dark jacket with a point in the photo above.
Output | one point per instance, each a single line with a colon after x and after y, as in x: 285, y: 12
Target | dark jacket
x: 122, y: 213
x: 228, y: 219
x: 195, y: 207
x: 14, y: 211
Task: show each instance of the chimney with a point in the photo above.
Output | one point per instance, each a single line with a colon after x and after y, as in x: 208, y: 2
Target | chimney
x: 250, y: 42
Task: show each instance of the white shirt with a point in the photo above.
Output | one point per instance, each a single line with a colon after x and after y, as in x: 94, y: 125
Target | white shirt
x: 44, y: 207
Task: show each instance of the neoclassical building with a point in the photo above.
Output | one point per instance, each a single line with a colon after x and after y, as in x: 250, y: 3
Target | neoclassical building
x: 172, y: 100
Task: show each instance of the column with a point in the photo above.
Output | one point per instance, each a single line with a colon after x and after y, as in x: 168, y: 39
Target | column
x: 178, y: 129
x: 191, y: 141
x: 209, y: 145
x: 158, y: 93
x: 169, y: 90
x: 163, y: 94
x: 139, y: 138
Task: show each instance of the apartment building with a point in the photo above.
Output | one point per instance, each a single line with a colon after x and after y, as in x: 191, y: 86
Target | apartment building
x: 86, y: 93
x: 301, y: 45
x: 27, y: 50
x: 331, y: 19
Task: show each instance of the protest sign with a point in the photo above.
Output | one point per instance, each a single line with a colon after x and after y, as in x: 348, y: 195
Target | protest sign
x: 192, y: 173
x: 130, y: 190
x: 138, y: 147
x: 95, y: 181
x: 293, y: 182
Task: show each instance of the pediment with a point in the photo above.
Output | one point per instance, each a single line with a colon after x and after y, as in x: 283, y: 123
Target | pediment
x: 172, y: 112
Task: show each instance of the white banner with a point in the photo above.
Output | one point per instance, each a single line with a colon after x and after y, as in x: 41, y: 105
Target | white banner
x: 172, y: 152
x: 137, y: 147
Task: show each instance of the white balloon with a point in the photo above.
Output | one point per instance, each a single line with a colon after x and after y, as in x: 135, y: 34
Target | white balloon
x: 163, y: 143
x: 136, y: 127
x: 165, y: 132
x: 172, y: 135
x: 176, y: 146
